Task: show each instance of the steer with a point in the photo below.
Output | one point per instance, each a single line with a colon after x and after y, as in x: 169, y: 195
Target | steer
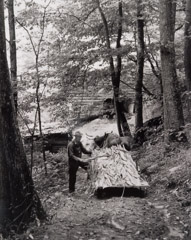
x: 110, y: 139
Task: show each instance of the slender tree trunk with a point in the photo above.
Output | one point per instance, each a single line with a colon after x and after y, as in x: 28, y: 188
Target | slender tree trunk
x: 125, y: 126
x: 117, y: 107
x: 140, y: 67
x: 112, y: 70
x: 37, y: 53
x: 173, y: 114
x: 19, y: 203
x: 13, y: 51
x: 187, y: 56
x: 122, y: 124
x: 39, y: 115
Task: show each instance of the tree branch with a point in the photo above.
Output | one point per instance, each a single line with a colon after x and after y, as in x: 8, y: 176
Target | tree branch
x: 79, y: 19
x: 179, y: 27
x: 43, y: 27
x: 87, y: 16
x: 154, y: 59
x: 144, y: 88
x: 158, y: 75
x: 8, y: 41
x: 105, y: 25
x: 147, y: 91
x: 107, y: 36
x: 29, y: 35
x: 131, y: 58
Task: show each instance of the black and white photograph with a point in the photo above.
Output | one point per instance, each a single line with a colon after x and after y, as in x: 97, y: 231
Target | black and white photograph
x: 95, y: 119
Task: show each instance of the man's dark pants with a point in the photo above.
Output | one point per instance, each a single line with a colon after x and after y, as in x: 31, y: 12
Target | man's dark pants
x: 73, y: 168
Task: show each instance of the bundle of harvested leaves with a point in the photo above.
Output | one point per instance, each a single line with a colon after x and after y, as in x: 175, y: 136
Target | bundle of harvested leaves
x: 114, y: 167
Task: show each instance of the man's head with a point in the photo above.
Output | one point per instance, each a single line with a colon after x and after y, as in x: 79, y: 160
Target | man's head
x: 78, y: 136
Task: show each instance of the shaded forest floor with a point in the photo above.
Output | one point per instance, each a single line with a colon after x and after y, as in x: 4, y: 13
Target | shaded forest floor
x: 165, y: 213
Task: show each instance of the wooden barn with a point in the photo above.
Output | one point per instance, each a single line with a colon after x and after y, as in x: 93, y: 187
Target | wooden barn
x: 53, y: 142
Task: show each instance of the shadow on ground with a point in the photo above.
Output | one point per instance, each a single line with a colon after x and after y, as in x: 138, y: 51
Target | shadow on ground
x: 120, y: 192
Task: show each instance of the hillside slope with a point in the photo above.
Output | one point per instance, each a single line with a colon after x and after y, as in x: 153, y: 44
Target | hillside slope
x: 165, y: 212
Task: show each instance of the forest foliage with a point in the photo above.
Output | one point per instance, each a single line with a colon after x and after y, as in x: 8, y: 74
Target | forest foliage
x: 86, y: 46
x: 73, y: 53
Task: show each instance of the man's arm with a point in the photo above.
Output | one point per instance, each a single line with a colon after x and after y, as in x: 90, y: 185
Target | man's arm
x: 71, y: 153
x: 85, y: 151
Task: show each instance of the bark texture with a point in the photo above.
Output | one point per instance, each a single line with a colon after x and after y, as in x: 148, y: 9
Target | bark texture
x: 19, y: 203
x: 173, y: 114
x: 140, y: 67
x: 13, y: 51
x: 187, y: 55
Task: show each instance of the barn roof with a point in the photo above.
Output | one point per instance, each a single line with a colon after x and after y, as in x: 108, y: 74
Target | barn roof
x: 48, y: 128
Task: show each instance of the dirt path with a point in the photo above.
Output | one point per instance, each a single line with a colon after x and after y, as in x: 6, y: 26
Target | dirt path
x: 115, y: 218
x: 85, y: 217
x: 164, y: 214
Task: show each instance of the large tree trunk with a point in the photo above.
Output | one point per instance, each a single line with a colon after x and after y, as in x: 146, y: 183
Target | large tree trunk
x: 13, y: 51
x: 173, y: 114
x: 140, y: 67
x: 19, y: 203
x: 187, y: 56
